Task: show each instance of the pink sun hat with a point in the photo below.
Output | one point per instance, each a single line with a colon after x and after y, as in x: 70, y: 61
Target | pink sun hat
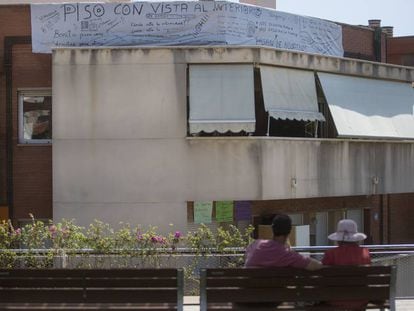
x: 347, y: 231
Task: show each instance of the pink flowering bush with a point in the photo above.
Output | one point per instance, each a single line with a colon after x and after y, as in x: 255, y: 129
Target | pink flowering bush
x: 44, y: 241
x: 34, y: 234
x: 66, y: 235
x: 9, y: 236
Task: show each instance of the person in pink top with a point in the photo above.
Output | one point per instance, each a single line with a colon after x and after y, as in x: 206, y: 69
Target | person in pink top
x: 348, y: 252
x: 276, y: 252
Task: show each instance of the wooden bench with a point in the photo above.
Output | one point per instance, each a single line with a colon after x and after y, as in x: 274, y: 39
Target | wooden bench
x: 232, y: 288
x: 91, y: 289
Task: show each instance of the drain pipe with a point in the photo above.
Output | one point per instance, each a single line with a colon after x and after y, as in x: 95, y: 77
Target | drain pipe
x: 375, y: 24
x: 378, y: 43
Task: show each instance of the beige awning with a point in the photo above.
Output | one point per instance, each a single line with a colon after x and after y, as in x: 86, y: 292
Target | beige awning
x: 369, y: 108
x: 290, y: 94
x: 221, y: 98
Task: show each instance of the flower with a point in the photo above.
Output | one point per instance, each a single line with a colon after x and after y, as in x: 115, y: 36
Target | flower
x: 177, y: 235
x: 158, y: 239
x: 65, y: 232
x: 18, y: 231
x: 52, y: 229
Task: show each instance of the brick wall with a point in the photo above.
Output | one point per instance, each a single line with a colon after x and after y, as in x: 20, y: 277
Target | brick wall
x: 401, y: 218
x: 370, y: 204
x: 388, y: 218
x: 400, y: 51
x: 13, y: 22
x: 358, y: 42
x: 32, y: 164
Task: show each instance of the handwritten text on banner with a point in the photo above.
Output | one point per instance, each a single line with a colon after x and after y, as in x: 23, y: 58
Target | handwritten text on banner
x: 179, y: 23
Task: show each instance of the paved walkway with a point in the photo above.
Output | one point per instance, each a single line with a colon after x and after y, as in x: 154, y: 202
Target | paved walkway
x: 405, y: 304
x: 191, y: 304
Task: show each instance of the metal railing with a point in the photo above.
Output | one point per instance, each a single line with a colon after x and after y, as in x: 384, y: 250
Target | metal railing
x: 401, y: 255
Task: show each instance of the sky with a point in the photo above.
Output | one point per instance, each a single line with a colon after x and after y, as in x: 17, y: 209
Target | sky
x: 397, y: 13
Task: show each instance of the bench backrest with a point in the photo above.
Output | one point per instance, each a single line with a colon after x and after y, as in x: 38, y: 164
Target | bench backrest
x: 249, y: 285
x: 97, y: 286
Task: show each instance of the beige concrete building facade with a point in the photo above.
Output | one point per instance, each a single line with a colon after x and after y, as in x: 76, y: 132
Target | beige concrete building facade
x: 122, y: 149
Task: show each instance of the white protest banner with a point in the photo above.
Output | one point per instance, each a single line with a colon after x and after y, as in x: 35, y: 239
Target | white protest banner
x: 179, y: 23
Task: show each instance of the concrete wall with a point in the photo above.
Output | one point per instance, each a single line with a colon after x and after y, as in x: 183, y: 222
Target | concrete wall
x: 121, y: 152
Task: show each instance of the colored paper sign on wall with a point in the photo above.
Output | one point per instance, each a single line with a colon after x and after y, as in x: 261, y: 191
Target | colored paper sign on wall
x: 243, y: 210
x: 224, y: 211
x: 203, y: 212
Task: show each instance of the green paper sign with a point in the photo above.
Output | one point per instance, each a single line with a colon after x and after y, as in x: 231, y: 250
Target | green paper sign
x: 203, y: 212
x: 224, y: 211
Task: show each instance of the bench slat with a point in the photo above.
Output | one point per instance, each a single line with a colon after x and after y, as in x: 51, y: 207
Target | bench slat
x: 52, y: 296
x: 100, y: 306
x: 88, y: 282
x: 71, y: 295
x: 256, y: 282
x: 303, y: 294
x: 131, y: 296
x: 213, y: 307
x: 88, y: 272
x: 291, y: 272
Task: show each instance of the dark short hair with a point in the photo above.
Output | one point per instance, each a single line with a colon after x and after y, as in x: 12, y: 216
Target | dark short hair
x: 281, y: 225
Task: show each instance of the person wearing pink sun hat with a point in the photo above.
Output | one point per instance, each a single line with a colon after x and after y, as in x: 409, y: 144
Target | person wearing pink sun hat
x: 348, y: 252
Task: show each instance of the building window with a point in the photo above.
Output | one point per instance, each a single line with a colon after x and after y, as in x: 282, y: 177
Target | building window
x: 35, y: 117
